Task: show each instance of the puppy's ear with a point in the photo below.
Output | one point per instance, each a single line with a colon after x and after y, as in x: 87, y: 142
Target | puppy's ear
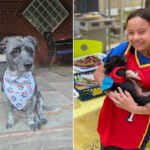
x: 33, y: 40
x: 3, y: 45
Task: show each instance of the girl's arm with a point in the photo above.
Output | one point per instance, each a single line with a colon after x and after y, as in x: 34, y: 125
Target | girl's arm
x: 99, y: 73
x: 125, y: 101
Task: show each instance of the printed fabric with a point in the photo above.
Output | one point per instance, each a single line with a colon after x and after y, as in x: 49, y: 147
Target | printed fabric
x: 19, y: 89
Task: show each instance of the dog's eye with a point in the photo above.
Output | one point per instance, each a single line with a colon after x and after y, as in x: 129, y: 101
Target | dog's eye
x: 16, y: 51
x: 30, y: 50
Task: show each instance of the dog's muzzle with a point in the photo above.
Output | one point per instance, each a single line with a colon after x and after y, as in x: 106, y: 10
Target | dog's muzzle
x: 28, y: 66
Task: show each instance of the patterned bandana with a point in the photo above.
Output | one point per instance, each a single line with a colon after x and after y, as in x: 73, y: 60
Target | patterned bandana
x: 19, y: 89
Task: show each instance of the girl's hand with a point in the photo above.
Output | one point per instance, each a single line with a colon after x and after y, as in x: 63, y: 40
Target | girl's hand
x: 99, y: 73
x: 132, y: 74
x: 123, y: 100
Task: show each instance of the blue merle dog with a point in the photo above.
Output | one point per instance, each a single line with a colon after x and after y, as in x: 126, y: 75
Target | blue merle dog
x: 19, y: 85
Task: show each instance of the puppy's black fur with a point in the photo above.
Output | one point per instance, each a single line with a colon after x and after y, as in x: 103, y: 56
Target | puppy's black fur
x: 128, y: 85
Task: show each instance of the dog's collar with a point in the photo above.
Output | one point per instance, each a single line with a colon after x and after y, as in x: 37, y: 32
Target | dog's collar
x: 117, y: 78
x: 108, y: 81
x: 19, y: 89
x: 15, y: 74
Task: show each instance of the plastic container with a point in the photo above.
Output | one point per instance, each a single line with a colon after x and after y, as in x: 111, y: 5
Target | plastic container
x: 87, y: 91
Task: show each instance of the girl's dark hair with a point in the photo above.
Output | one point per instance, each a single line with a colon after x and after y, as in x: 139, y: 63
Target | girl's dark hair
x: 144, y: 13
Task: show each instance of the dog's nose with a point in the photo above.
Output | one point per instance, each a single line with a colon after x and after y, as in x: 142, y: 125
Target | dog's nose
x: 27, y: 66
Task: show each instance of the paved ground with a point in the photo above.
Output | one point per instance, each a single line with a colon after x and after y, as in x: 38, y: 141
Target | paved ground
x: 55, y: 84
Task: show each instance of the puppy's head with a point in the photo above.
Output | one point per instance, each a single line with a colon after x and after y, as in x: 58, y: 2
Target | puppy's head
x: 113, y: 62
x: 20, y: 52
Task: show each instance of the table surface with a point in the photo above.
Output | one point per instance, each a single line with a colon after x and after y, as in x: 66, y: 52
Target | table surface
x: 84, y: 107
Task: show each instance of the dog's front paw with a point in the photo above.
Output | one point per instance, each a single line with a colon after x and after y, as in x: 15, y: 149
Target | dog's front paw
x: 33, y: 127
x: 9, y: 125
x: 43, y: 121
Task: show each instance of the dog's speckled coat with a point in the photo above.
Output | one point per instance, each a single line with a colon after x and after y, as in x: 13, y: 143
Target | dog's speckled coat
x: 20, y: 58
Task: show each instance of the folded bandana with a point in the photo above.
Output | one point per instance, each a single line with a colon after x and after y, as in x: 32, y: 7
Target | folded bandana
x: 107, y: 83
x: 19, y: 89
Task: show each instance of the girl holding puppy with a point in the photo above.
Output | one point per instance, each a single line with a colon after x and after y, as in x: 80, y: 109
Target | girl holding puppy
x: 116, y: 132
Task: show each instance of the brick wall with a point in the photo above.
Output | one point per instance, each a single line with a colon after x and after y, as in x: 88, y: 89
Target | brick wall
x: 16, y: 24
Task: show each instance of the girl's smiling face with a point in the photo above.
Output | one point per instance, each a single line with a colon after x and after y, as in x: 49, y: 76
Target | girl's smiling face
x: 139, y: 33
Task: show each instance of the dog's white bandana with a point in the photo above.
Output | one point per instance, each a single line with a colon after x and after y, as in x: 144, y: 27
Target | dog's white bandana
x: 19, y: 89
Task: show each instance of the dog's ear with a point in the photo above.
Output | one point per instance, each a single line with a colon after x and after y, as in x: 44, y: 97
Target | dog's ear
x: 124, y: 59
x: 3, y: 44
x: 33, y: 40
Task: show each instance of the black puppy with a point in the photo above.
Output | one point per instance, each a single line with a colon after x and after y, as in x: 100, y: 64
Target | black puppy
x: 115, y: 67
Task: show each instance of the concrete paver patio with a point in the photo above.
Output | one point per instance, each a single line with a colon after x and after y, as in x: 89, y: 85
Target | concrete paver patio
x: 56, y: 86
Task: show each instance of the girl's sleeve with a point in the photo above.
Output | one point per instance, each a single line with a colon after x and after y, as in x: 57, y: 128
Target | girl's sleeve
x: 117, y: 51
